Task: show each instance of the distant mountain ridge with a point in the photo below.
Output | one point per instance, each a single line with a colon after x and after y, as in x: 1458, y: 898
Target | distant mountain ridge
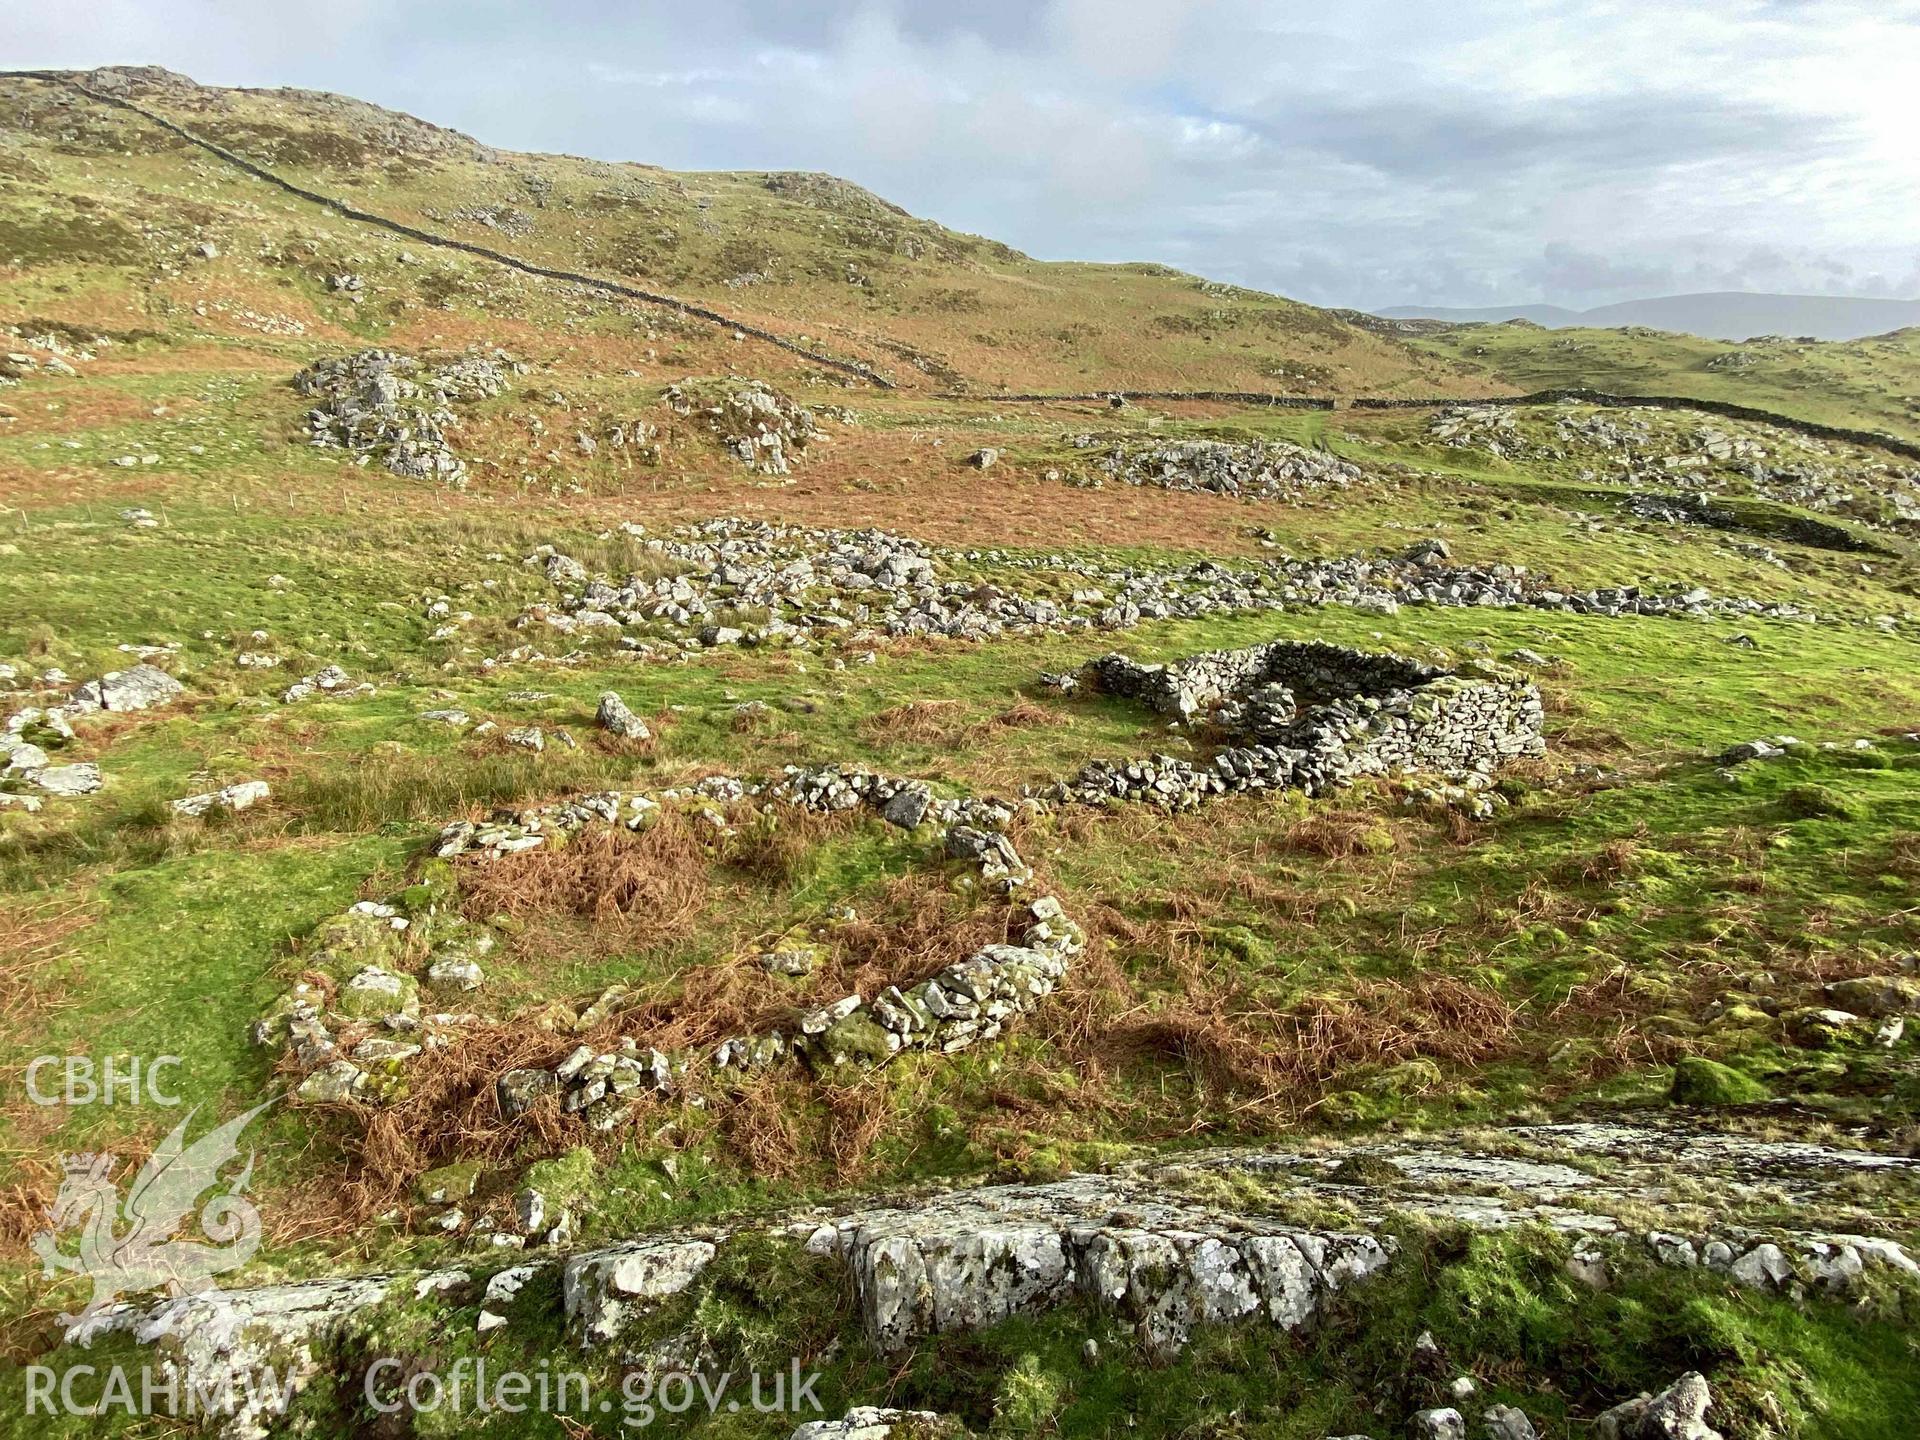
x: 1717, y: 315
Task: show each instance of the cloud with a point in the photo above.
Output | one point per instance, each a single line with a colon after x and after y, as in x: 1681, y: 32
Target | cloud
x: 1374, y: 153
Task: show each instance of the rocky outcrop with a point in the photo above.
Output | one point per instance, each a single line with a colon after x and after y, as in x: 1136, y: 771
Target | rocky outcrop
x: 761, y: 428
x: 975, y: 1258
x: 1154, y: 1244
x: 395, y: 409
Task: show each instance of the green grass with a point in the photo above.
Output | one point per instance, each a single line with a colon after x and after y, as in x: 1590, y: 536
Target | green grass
x: 1865, y: 384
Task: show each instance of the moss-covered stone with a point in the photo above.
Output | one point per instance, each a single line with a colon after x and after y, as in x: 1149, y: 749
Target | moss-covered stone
x: 1821, y: 802
x: 855, y: 1040
x: 449, y: 1184
x: 1700, y: 1081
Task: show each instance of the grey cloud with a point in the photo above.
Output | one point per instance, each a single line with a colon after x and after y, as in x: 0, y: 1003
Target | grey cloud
x: 1467, y: 137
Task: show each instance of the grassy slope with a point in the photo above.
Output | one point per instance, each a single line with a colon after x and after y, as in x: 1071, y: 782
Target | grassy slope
x: 1871, y: 384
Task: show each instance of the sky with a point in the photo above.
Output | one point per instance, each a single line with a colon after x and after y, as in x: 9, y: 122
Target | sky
x: 1381, y: 152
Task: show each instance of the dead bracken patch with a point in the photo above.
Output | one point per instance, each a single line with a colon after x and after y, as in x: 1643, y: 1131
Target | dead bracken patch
x: 32, y: 940
x: 1282, y: 1062
x: 917, y: 722
x: 649, y: 885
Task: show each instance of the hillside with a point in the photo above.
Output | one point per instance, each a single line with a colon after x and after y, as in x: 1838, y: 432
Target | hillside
x: 664, y: 842
x: 1715, y: 315
x: 1871, y: 384
x: 797, y: 253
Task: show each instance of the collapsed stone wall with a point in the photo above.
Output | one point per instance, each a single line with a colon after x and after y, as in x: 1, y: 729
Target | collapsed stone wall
x: 358, y: 1041
x: 1311, y: 716
x: 834, y: 589
x: 1316, y: 715
x: 1725, y: 408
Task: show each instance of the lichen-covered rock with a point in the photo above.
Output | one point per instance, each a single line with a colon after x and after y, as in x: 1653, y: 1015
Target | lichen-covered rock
x: 875, y: 1422
x: 603, y: 1290
x: 139, y: 688
x: 517, y: 1090
x: 81, y: 778
x: 230, y: 799
x: 615, y: 718
x: 1877, y: 995
x: 221, y: 1343
x: 1676, y: 1413
x: 376, y: 993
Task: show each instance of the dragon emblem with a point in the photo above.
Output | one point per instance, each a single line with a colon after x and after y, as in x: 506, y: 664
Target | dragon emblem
x: 145, y: 1255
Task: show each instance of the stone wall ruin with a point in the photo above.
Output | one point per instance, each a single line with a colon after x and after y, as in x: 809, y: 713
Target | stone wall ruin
x: 1309, y: 715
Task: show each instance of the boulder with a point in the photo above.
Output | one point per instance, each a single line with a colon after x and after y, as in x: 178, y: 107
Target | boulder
x: 614, y: 717
x: 69, y: 780
x: 516, y: 1091
x: 1676, y: 1413
x: 231, y: 799
x: 1443, y: 1423
x: 1877, y: 995
x: 1505, y: 1422
x: 140, y: 688
x: 1699, y: 1081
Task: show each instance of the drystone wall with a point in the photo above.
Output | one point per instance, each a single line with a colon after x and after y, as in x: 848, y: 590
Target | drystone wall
x: 1311, y: 716
x: 357, y: 1039
x: 72, y: 81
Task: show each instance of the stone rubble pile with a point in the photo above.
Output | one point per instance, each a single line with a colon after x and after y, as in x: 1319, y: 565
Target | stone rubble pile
x: 812, y: 585
x: 378, y: 405
x: 763, y: 429
x: 818, y: 587
x: 29, y: 734
x: 1317, y: 716
x: 1153, y: 1243
x: 1261, y: 470
x: 1649, y: 446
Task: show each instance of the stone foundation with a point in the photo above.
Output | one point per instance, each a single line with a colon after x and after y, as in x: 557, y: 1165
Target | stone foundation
x: 1310, y: 715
